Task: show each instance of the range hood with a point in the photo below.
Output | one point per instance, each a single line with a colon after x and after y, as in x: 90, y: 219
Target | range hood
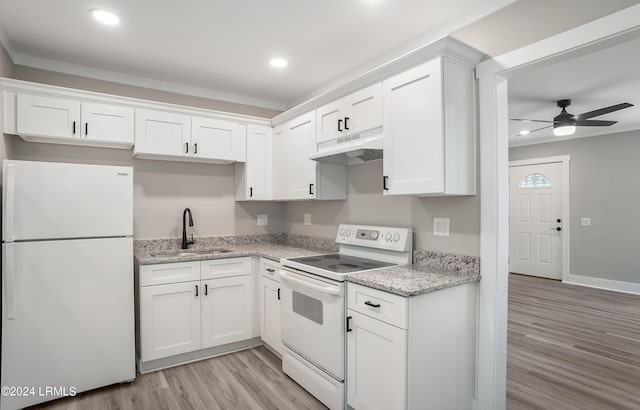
x: 355, y: 149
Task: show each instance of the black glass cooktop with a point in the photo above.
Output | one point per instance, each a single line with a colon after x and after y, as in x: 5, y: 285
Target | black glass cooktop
x: 340, y: 263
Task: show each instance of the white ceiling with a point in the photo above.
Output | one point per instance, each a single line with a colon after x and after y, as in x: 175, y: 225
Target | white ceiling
x: 225, y: 45
x: 219, y: 49
x: 592, y: 81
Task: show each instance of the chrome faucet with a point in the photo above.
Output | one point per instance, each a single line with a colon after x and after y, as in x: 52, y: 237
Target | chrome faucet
x: 185, y: 242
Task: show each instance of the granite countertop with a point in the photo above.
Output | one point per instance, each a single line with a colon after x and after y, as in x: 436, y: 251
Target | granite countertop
x: 413, y: 280
x: 266, y: 250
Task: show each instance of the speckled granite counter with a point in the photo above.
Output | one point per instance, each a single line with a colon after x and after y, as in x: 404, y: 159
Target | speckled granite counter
x: 412, y: 280
x: 266, y: 250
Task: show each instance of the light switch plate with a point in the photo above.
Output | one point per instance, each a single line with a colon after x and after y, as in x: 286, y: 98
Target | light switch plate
x: 585, y: 221
x: 307, y: 219
x: 263, y: 220
x: 441, y: 226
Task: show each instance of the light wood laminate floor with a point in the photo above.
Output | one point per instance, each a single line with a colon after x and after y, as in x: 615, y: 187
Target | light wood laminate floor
x: 250, y: 379
x: 571, y: 347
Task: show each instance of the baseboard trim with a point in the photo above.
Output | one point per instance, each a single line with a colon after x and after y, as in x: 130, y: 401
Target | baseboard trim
x: 606, y: 284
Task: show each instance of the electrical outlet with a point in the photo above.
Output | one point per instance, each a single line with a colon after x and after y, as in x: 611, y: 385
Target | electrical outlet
x: 585, y: 221
x: 441, y: 226
x: 263, y: 220
x: 307, y: 219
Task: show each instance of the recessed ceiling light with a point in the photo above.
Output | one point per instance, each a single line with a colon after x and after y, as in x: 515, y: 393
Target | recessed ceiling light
x: 105, y: 17
x: 278, y: 62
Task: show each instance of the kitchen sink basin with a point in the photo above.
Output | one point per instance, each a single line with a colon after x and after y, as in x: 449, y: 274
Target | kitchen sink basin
x: 190, y: 252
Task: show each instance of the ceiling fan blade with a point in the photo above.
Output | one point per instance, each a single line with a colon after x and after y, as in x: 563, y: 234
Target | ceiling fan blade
x: 543, y: 128
x: 594, y: 123
x: 526, y: 120
x: 602, y: 111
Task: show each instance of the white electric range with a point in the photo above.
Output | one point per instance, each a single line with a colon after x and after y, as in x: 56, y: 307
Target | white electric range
x: 313, y: 305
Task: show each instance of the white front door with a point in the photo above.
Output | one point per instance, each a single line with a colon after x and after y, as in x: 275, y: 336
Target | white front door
x: 536, y: 224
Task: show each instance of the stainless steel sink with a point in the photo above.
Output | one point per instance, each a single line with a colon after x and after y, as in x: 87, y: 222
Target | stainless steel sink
x: 190, y: 252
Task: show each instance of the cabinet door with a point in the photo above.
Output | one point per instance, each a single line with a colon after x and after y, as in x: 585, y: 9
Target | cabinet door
x: 362, y: 110
x: 280, y: 159
x: 301, y: 171
x: 376, y: 364
x: 269, y: 300
x: 327, y: 118
x: 170, y: 319
x: 413, y: 131
x: 218, y: 139
x: 227, y: 310
x: 104, y: 122
x: 162, y: 133
x: 259, y: 160
x: 47, y: 117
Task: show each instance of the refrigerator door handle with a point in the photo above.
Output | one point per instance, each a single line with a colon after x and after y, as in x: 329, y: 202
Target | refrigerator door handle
x: 7, y: 273
x: 9, y: 198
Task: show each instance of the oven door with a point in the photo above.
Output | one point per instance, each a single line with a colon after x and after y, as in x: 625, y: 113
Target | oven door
x: 313, y: 319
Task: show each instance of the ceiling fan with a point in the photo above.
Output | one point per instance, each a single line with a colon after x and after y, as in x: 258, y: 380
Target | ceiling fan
x: 565, y: 123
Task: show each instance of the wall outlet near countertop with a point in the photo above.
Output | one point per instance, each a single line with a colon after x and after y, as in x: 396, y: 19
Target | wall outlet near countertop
x: 263, y: 220
x: 441, y: 226
x: 307, y: 219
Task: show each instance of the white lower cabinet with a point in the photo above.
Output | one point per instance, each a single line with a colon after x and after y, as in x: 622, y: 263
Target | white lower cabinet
x: 269, y: 300
x: 411, y: 352
x: 185, y: 316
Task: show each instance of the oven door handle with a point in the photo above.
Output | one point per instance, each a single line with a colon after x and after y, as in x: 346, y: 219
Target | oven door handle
x: 324, y: 289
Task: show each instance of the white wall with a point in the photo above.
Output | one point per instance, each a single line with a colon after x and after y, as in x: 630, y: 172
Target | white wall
x: 162, y: 189
x: 605, y: 186
x: 366, y: 204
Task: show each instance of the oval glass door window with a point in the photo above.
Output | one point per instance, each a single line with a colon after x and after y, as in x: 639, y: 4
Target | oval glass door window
x: 535, y: 181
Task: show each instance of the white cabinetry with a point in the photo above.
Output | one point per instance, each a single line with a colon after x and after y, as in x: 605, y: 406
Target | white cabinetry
x: 305, y: 178
x: 357, y: 112
x: 181, y: 137
x: 269, y: 300
x: 254, y: 178
x: 280, y: 155
x: 67, y: 121
x: 429, y: 130
x: 186, y: 307
x: 411, y: 353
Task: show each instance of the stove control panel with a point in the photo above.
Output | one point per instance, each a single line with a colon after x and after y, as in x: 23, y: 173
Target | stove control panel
x: 394, y: 239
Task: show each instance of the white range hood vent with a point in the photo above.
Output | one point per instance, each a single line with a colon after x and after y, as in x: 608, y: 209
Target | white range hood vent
x: 354, y: 149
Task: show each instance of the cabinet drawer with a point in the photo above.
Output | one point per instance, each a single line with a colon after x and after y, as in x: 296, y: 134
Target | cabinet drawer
x: 169, y: 273
x: 224, y: 268
x: 270, y: 270
x: 377, y: 304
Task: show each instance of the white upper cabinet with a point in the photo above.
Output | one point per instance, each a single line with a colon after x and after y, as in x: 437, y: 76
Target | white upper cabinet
x: 301, y: 171
x: 50, y: 119
x: 254, y: 177
x: 162, y: 133
x: 182, y: 137
x: 357, y: 112
x: 218, y: 139
x: 429, y: 130
x: 280, y: 159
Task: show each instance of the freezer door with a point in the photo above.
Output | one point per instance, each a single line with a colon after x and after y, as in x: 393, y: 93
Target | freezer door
x: 45, y: 200
x: 71, y: 319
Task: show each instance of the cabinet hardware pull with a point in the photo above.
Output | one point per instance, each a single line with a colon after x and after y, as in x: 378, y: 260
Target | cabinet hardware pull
x: 374, y: 305
x: 186, y: 144
x: 206, y: 289
x: 74, y: 128
x: 385, y: 179
x: 195, y: 148
x: 311, y: 192
x: 86, y: 128
x: 340, y: 125
x: 250, y: 192
x: 270, y: 270
x: 278, y: 293
x: 349, y: 323
x: 196, y: 290
x: 346, y: 127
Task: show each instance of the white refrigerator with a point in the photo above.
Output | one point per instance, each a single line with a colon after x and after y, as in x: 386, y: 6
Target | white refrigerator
x: 67, y: 280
